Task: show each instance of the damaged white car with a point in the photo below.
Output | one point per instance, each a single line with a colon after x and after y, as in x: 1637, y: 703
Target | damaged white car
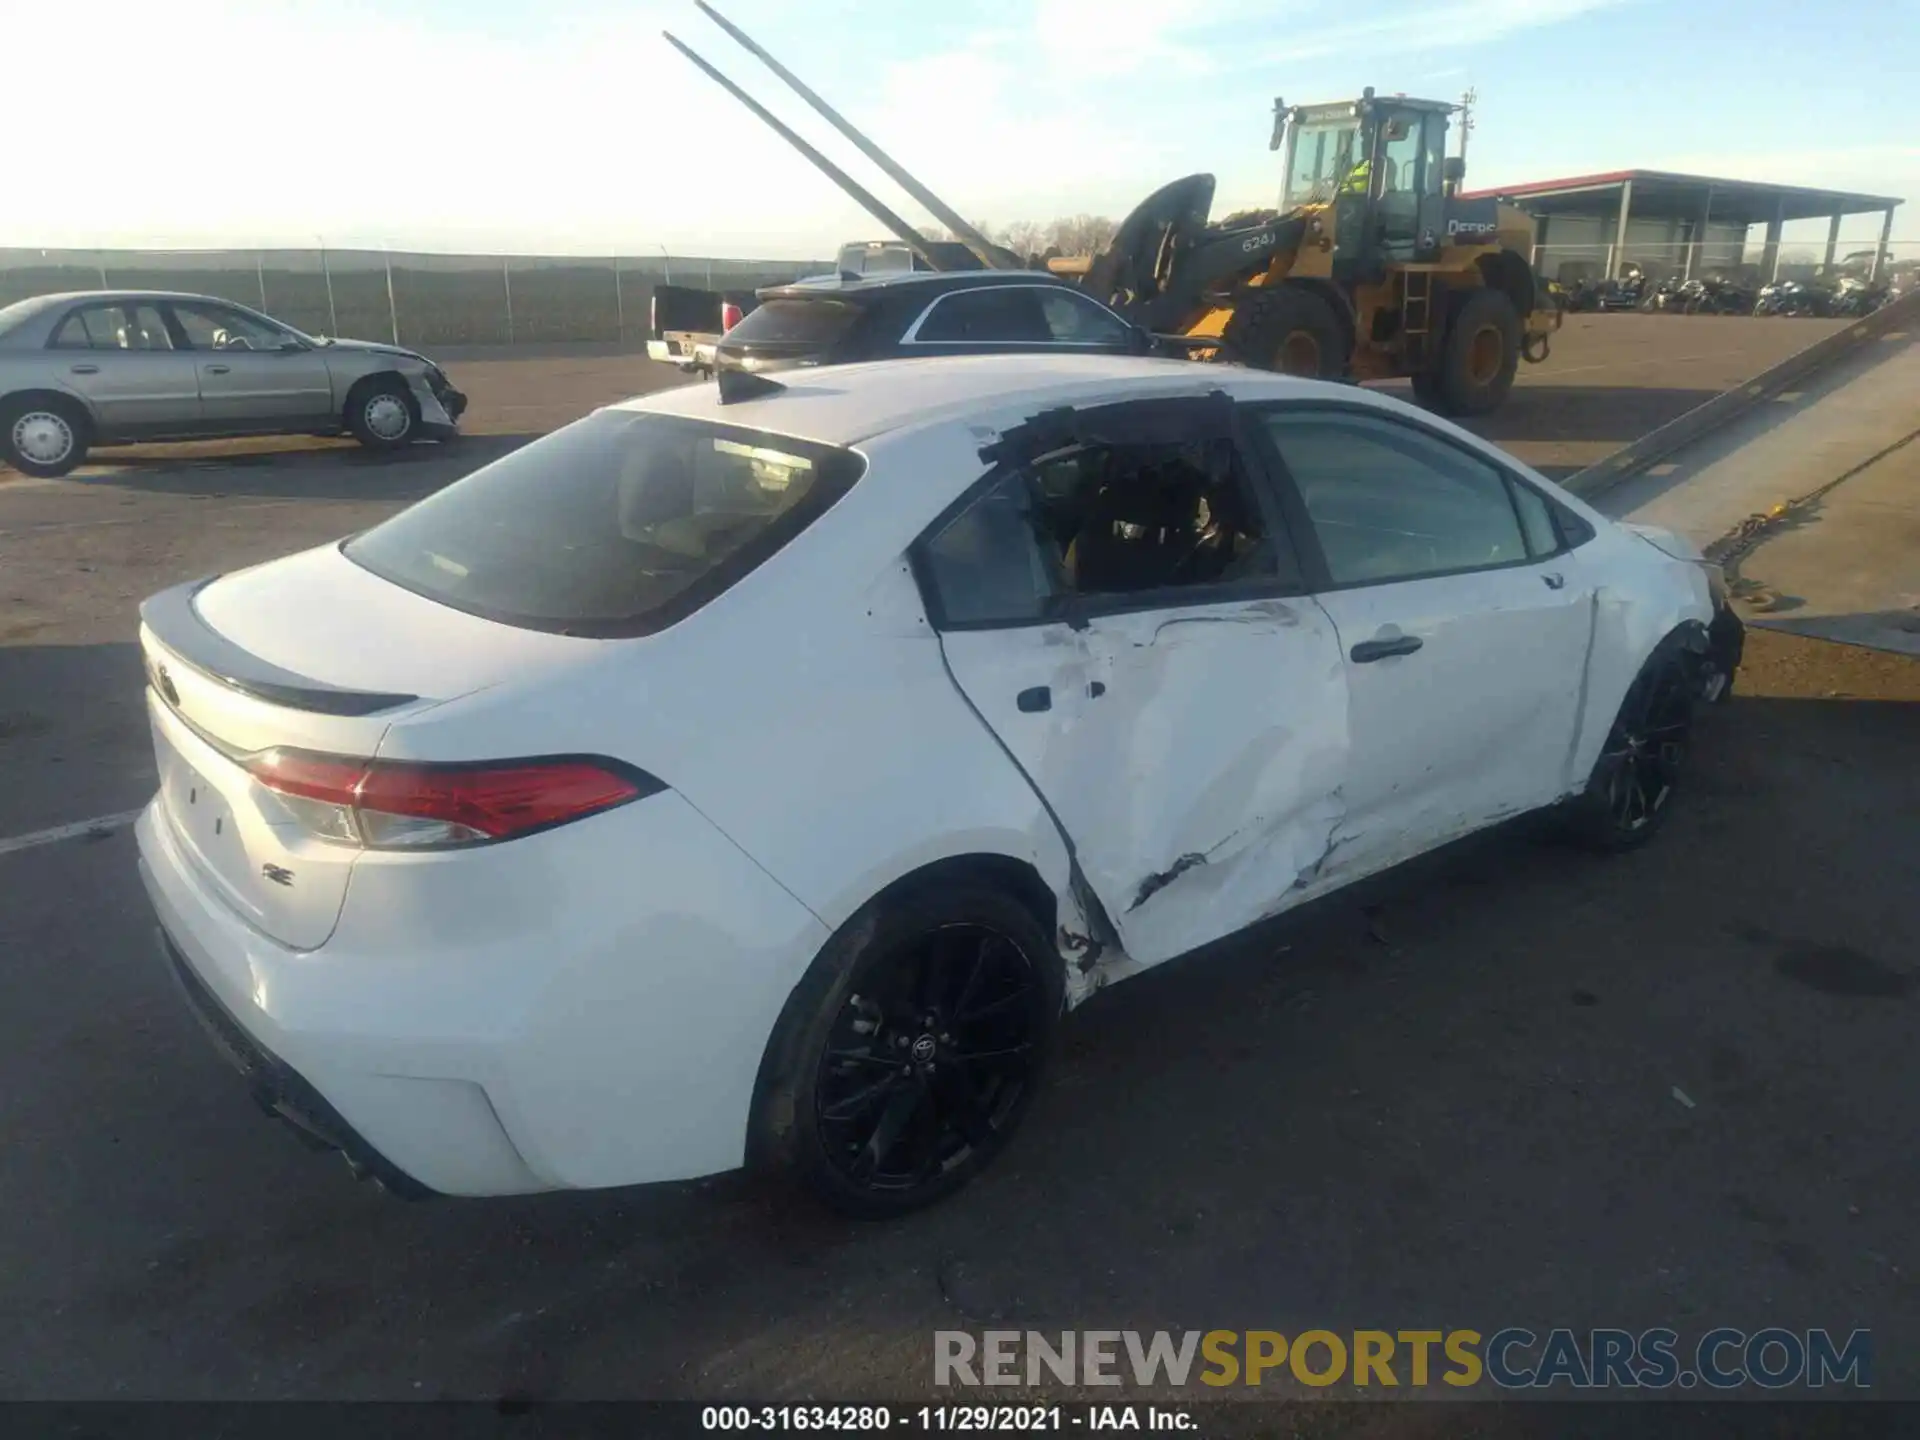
x: 755, y: 772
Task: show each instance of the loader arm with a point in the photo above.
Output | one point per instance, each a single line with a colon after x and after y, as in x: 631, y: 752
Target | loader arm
x: 858, y: 193
x: 994, y: 257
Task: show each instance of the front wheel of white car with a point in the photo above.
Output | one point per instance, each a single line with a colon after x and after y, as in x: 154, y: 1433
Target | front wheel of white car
x: 1631, y: 789
x: 383, y: 415
x: 910, y: 1052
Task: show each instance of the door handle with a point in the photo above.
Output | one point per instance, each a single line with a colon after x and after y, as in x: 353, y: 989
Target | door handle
x: 1367, y: 651
x: 1032, y: 702
x: 86, y: 369
x: 1555, y: 582
x: 217, y: 369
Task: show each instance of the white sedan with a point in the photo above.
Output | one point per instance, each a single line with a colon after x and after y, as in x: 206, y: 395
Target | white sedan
x: 754, y: 774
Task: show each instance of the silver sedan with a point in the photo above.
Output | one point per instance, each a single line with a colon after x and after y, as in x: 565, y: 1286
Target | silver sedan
x: 119, y: 367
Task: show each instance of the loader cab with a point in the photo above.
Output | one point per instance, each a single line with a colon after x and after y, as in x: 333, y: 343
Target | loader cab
x: 1380, y: 164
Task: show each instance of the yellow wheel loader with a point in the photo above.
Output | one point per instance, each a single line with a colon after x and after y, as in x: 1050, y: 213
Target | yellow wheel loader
x: 1371, y: 267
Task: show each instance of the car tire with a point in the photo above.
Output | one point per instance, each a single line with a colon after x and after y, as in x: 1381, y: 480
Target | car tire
x: 1289, y: 330
x: 1630, y: 792
x: 910, y: 1052
x: 382, y: 414
x: 1479, y: 355
x: 44, y: 435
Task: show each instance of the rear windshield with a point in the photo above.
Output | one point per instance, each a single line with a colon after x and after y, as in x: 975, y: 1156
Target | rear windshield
x: 876, y: 259
x: 619, y: 524
x: 815, y: 323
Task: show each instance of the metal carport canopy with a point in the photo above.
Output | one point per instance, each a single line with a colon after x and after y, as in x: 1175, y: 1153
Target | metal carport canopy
x: 1662, y: 194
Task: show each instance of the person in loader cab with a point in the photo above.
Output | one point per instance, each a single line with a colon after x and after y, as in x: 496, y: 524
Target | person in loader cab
x: 1360, y: 178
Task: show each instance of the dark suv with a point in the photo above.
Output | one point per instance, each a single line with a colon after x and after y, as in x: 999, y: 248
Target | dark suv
x: 842, y: 319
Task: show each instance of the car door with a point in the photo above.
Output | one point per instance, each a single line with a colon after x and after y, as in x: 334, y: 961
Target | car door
x: 1017, y: 319
x: 120, y: 357
x: 1465, y: 622
x: 252, y: 374
x: 1128, y: 617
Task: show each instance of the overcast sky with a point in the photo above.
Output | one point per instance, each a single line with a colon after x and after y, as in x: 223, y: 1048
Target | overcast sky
x: 569, y: 125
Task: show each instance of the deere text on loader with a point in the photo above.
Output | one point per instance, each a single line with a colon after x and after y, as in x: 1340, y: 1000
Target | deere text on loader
x: 1372, y: 267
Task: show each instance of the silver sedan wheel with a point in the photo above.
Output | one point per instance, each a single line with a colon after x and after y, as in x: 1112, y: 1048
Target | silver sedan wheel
x: 387, y: 417
x: 43, y: 437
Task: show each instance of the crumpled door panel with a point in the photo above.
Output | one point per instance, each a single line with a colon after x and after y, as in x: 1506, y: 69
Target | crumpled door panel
x: 1195, y: 757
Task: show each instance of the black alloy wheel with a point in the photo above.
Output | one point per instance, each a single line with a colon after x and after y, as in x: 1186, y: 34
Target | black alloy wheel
x: 929, y: 1064
x: 1640, y: 765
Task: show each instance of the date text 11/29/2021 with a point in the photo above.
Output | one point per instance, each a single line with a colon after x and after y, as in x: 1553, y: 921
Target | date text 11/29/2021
x: 940, y: 1419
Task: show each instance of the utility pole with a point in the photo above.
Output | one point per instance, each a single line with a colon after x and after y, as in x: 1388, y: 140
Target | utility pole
x: 1467, y: 102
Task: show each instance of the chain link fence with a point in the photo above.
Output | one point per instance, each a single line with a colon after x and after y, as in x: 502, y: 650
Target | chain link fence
x: 406, y: 297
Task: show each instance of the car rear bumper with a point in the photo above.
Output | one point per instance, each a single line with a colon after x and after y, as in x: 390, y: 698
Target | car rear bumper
x: 513, y: 1018
x: 278, y: 1089
x: 685, y: 352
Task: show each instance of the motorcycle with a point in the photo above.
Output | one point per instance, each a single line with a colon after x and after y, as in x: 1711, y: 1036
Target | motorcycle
x: 1582, y: 296
x: 1717, y: 295
x: 1624, y: 293
x: 1668, y: 296
x: 1793, y: 297
x: 1855, y: 297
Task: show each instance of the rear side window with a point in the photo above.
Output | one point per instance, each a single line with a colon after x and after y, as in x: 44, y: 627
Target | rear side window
x: 1073, y: 319
x: 113, y: 327
x: 995, y: 314
x: 619, y: 524
x: 817, y: 323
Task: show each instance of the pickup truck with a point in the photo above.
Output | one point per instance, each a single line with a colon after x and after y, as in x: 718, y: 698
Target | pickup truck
x: 686, y: 323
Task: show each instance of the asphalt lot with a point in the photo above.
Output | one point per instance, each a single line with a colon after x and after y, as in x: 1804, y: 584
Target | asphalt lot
x: 1448, y: 1100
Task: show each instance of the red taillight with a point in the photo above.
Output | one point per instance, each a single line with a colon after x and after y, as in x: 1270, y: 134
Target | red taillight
x: 387, y: 805
x: 729, y: 316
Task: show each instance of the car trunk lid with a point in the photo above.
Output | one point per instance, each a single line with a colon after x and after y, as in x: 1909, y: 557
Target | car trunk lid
x: 230, y: 679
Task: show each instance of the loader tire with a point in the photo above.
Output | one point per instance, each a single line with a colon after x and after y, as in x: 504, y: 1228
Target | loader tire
x: 1290, y: 330
x: 1479, y: 355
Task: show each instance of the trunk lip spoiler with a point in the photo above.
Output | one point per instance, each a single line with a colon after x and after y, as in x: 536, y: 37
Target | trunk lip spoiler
x: 173, y: 619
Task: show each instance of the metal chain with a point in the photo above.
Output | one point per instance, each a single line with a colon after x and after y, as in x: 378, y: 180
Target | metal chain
x: 1743, y: 539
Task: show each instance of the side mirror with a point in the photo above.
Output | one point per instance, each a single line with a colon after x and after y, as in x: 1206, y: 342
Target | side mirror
x: 1453, y: 169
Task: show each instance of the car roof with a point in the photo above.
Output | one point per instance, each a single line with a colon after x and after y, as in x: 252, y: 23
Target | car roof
x: 27, y: 321
x: 857, y: 287
x: 846, y: 404
x: 80, y: 297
